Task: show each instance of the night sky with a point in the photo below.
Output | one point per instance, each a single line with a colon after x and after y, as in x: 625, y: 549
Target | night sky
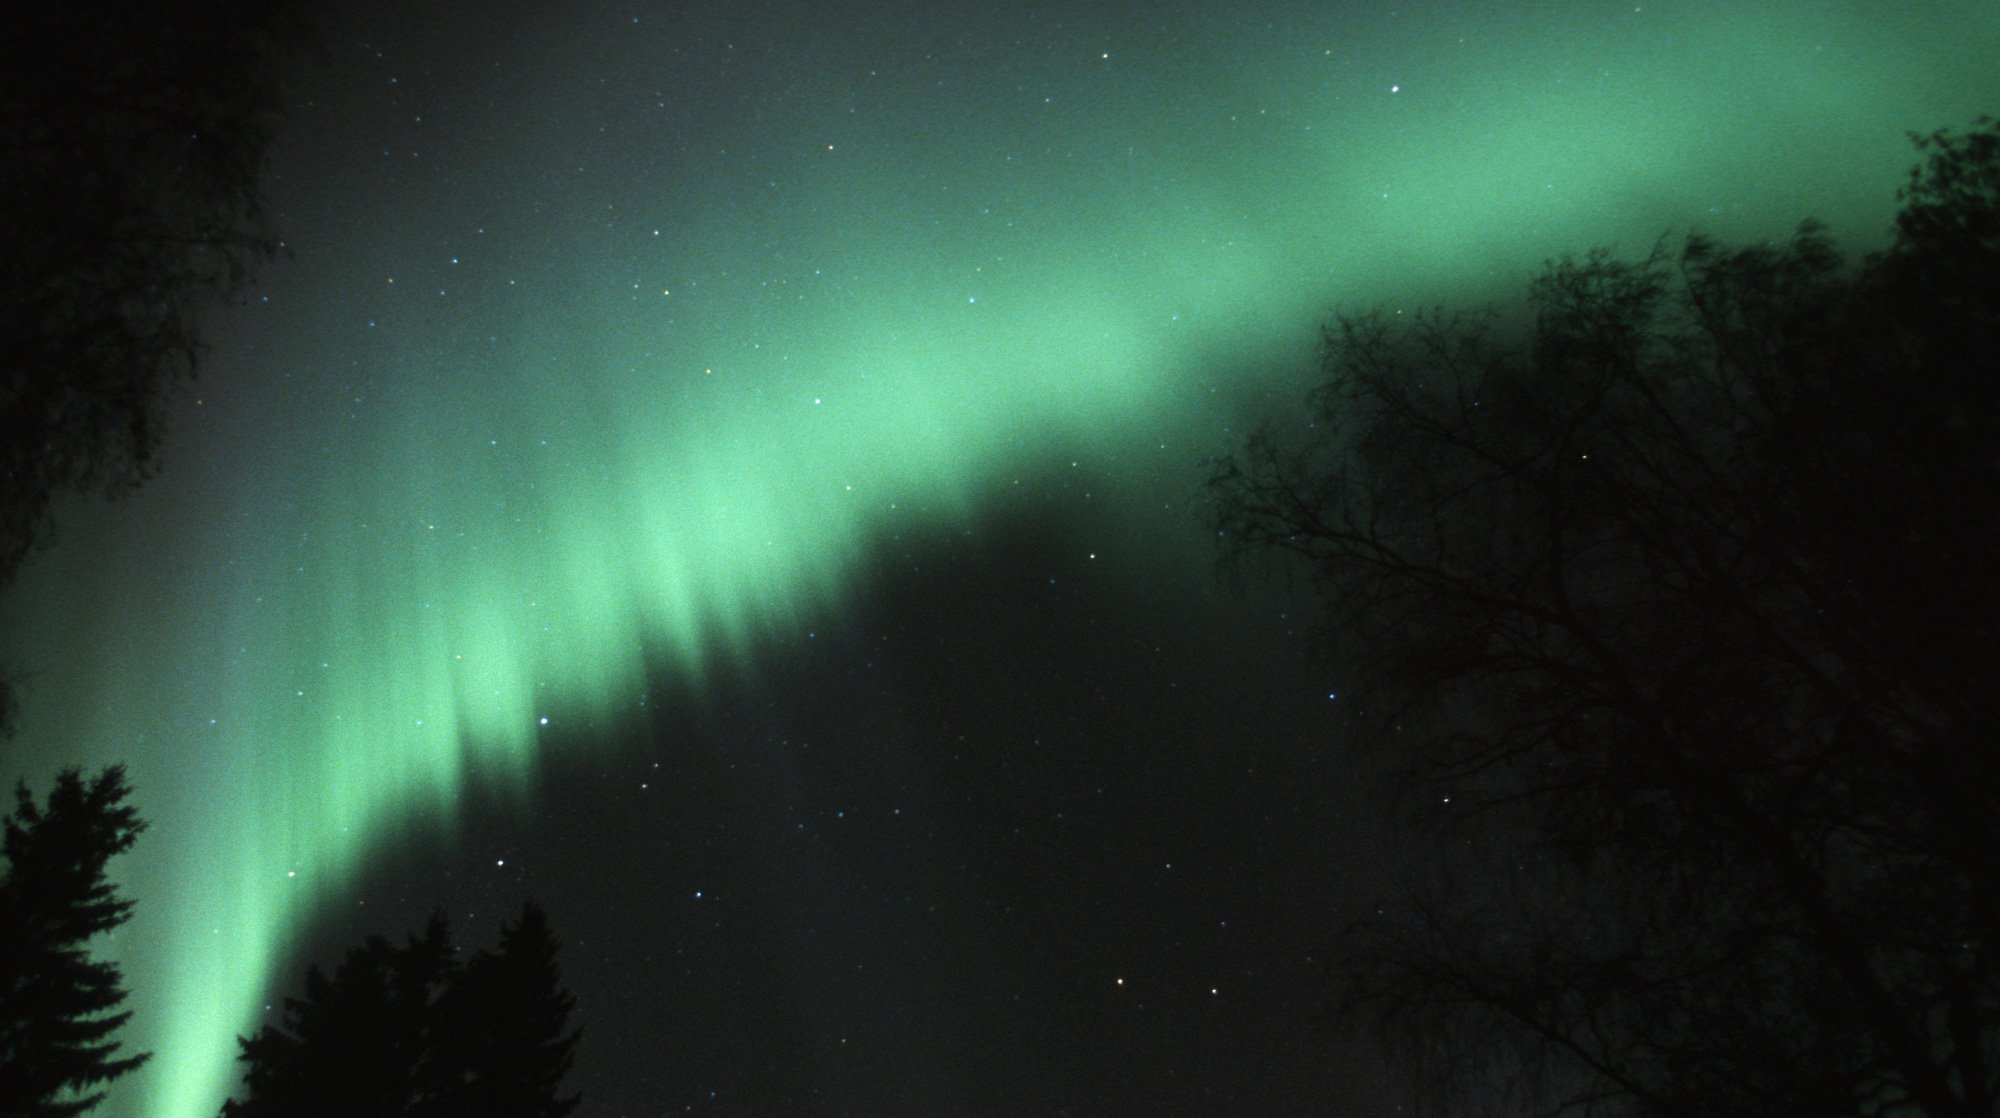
x: 732, y: 473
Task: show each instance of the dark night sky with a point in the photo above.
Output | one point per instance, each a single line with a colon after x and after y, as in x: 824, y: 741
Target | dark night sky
x: 732, y: 473
x: 903, y: 867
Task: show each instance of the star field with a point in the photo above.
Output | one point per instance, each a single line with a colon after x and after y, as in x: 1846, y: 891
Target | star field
x: 732, y: 473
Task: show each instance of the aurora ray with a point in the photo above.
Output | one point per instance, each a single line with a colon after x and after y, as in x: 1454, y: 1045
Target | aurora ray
x: 616, y: 340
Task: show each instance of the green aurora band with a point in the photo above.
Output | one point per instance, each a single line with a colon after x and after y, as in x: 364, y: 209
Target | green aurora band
x: 572, y: 379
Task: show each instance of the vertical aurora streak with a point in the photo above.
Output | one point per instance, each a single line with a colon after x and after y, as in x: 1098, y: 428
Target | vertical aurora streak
x: 646, y: 337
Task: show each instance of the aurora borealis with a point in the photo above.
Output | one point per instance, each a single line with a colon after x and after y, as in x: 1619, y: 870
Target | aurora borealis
x: 634, y: 363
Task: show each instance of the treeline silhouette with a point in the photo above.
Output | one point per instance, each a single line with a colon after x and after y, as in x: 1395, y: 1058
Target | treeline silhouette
x: 1669, y: 607
x: 411, y: 1030
x: 133, y: 139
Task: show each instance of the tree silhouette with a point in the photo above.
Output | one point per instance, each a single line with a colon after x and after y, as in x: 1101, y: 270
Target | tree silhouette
x: 506, y: 1028
x: 409, y: 1030
x: 358, y: 1041
x: 1675, y: 620
x: 59, y: 1007
x: 133, y: 137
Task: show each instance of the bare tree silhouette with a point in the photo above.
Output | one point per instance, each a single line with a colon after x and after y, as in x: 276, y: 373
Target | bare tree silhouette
x: 1673, y: 611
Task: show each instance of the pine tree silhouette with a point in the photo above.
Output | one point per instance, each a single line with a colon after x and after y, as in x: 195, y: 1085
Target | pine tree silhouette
x: 506, y: 1031
x: 356, y: 1042
x: 411, y: 1031
x: 59, y: 1007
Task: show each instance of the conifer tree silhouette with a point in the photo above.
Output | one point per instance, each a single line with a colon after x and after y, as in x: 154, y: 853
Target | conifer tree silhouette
x: 59, y: 1007
x: 410, y: 1030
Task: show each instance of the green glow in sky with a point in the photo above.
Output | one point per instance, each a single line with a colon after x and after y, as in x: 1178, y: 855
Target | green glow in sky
x: 606, y: 337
